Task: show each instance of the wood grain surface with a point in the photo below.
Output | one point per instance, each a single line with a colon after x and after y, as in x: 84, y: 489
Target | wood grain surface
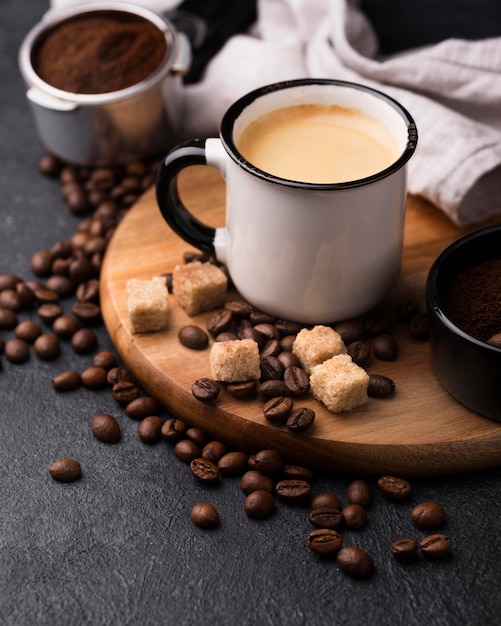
x: 420, y: 431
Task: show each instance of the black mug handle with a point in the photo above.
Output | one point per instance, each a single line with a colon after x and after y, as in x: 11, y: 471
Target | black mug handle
x: 182, y: 222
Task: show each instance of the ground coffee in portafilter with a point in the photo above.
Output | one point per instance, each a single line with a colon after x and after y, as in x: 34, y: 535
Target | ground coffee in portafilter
x: 99, y: 52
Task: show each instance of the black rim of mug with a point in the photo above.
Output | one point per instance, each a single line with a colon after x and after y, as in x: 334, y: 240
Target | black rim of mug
x: 231, y: 115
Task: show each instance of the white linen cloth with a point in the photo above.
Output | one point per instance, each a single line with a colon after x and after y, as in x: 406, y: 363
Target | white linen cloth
x: 452, y: 89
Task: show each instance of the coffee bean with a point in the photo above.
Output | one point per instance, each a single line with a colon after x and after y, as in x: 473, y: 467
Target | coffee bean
x: 49, y: 312
x: 287, y: 344
x: 198, y: 436
x: 326, y: 517
x: 297, y: 472
x: 239, y: 309
x: 385, y: 347
x: 94, y: 377
x: 394, y: 487
x: 118, y: 375
x: 360, y: 352
x: 104, y: 359
x: 428, y: 515
x: 205, y: 471
x: 294, y: 491
x: 271, y: 368
x: 205, y: 515
x: 226, y: 336
x: 66, y: 381
x: 84, y: 341
x: 404, y: 549
x: 359, y: 492
x: 9, y: 281
x: 288, y: 358
x: 287, y: 328
x: 10, y: 299
x: 80, y: 269
x: 326, y: 500
x: 259, y: 504
x: 186, y: 450
x: 419, y: 326
x: 173, y: 430
x: 124, y: 392
x: 141, y: 407
x: 88, y: 291
x: 214, y: 451
x: 244, y: 389
x: 324, y: 541
x: 28, y: 331
x: 61, y: 285
x: 300, y: 420
x: 65, y: 326
x: 233, y: 463
x: 272, y: 389
x: 350, y: 330
x: 380, y: 386
x: 150, y: 429
x: 26, y: 295
x: 253, y: 480
x: 47, y: 346
x: 65, y: 470
x: 297, y: 381
x: 377, y: 322
x: 272, y: 348
x: 8, y: 318
x: 435, y: 546
x: 355, y: 516
x: 220, y: 322
x: 355, y: 562
x: 277, y: 410
x: 250, y: 333
x: 268, y: 462
x: 106, y: 428
x: 16, y: 351
x: 87, y: 312
x: 205, y: 389
x: 41, y: 263
x: 193, y: 337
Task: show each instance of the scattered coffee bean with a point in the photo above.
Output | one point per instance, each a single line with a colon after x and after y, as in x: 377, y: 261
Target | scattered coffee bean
x: 220, y: 322
x: 350, y: 330
x: 8, y: 318
x: 294, y: 491
x: 9, y: 281
x: 269, y: 389
x: 326, y: 500
x: 300, y: 420
x: 41, y: 263
x: 271, y: 368
x: 394, y: 487
x: 233, y: 463
x: 28, y: 331
x: 193, y: 337
x: 297, y: 381
x: 106, y: 428
x: 404, y: 549
x: 297, y: 472
x: 47, y: 346
x: 141, y: 407
x: 355, y: 516
x: 359, y: 492
x: 355, y: 562
x: 94, y: 377
x: 428, y: 515
x: 253, y: 480
x: 124, y: 392
x: 380, y: 386
x: 435, y: 546
x: 205, y: 515
x: 66, y: 381
x: 245, y: 389
x: 61, y: 285
x: 326, y: 517
x: 10, y: 299
x: 204, y: 470
x: 84, y: 341
x: 87, y: 312
x: 16, y: 351
x: 117, y: 375
x: 49, y: 312
x: 65, y: 470
x: 324, y: 541
x: 186, y: 450
x: 385, y: 347
x: 259, y: 504
x: 150, y: 429
x: 104, y: 359
x: 361, y: 353
x: 214, y: 451
x: 268, y: 462
x: 205, y: 389
x: 65, y: 326
x: 277, y: 410
x: 173, y: 430
x: 197, y: 435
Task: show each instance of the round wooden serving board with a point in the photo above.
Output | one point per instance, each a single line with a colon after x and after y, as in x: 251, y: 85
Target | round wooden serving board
x: 420, y: 431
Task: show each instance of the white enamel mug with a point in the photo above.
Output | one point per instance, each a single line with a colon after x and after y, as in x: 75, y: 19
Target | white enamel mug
x: 308, y: 252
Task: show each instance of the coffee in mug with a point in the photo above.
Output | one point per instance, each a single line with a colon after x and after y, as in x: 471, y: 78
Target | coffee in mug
x: 318, y: 143
x: 312, y: 250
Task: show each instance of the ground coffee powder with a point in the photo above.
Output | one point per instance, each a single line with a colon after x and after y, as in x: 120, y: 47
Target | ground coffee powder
x: 473, y: 299
x: 99, y: 52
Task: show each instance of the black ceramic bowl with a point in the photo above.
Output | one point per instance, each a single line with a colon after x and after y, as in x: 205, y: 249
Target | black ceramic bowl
x: 468, y: 368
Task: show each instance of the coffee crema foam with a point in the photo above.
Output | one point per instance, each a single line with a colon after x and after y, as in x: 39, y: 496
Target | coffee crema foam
x: 314, y: 143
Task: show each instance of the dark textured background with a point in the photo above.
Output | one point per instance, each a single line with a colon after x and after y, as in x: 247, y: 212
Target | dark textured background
x: 118, y: 547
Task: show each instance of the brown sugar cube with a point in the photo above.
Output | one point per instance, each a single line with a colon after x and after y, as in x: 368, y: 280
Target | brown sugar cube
x: 339, y: 383
x: 235, y: 361
x: 316, y: 345
x: 147, y: 304
x: 199, y: 287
